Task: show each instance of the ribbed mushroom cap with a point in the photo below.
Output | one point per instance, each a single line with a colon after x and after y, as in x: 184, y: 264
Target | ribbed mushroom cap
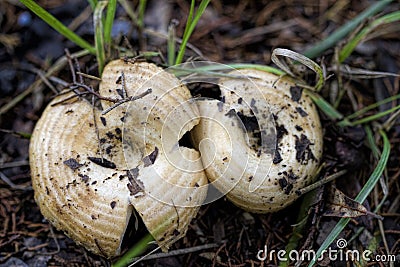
x: 259, y: 177
x: 91, y: 170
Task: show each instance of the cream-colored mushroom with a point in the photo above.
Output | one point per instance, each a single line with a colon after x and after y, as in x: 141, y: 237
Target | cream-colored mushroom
x: 90, y: 171
x: 259, y: 171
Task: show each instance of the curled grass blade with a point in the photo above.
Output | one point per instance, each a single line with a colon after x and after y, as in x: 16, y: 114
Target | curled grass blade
x: 339, y: 34
x: 351, y: 45
x: 362, y: 195
x: 111, y: 8
x: 98, y: 34
x: 190, y: 25
x: 280, y: 52
x: 57, y: 25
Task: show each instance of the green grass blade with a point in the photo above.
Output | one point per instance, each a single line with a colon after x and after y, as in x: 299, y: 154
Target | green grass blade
x: 141, y: 9
x: 92, y: 3
x: 372, y: 106
x: 369, y: 186
x: 257, y: 67
x: 369, y: 118
x: 98, y: 34
x: 171, y: 44
x: 136, y: 251
x: 362, y: 195
x: 371, y: 141
x: 57, y: 25
x: 189, y: 18
x: 189, y: 29
x: 111, y: 8
x: 325, y: 107
x: 202, y: 7
x: 351, y: 45
x: 339, y: 34
x: 330, y: 238
x: 179, y: 71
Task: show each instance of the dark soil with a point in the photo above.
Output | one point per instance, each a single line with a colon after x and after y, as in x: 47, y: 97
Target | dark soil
x: 230, y: 31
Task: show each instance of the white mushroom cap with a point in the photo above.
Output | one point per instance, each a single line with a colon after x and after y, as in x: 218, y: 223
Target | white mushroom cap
x: 90, y: 170
x: 259, y: 180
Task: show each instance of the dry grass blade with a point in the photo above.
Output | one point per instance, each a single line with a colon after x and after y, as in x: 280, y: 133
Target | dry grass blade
x: 358, y: 73
x: 299, y: 58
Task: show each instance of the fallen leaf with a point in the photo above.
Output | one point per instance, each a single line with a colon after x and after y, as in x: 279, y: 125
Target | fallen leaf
x: 340, y: 205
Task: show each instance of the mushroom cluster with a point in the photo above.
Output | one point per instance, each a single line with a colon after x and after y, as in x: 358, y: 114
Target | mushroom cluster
x: 93, y: 170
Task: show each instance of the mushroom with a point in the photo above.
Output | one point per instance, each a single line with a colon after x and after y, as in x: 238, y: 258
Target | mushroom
x: 262, y: 142
x: 93, y: 168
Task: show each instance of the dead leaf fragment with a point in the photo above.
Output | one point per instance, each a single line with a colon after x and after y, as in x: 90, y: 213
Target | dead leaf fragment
x: 340, y: 205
